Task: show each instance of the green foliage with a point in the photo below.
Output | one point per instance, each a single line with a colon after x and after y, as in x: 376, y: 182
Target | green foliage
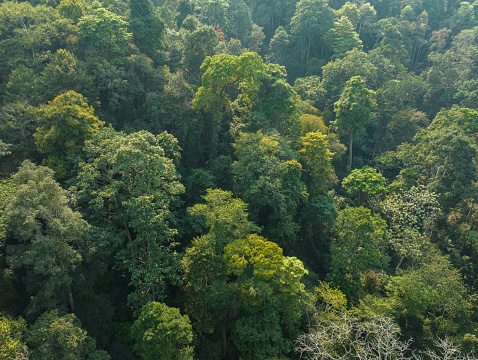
x: 410, y: 214
x: 62, y: 74
x: 48, y: 234
x: 128, y: 183
x: 72, y: 9
x: 161, y: 332
x: 11, y: 334
x: 364, y: 181
x: 354, y: 110
x: 202, y: 263
x: 312, y: 19
x: 360, y: 244
x: 433, y: 292
x: 55, y: 337
x: 225, y: 216
x: 29, y: 34
x: 66, y: 123
x: 260, y: 336
x: 342, y: 38
x: 269, y: 181
x: 444, y: 161
x: 262, y: 270
x: 373, y: 68
x: 316, y: 159
x: 226, y: 73
x: 147, y: 28
x: 331, y: 301
x: 106, y: 33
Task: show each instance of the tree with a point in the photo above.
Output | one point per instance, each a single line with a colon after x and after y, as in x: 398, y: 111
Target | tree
x: 224, y: 74
x: 48, y: 235
x: 443, y: 159
x: 240, y: 287
x: 161, y: 332
x: 72, y: 9
x: 268, y: 178
x: 365, y: 181
x: 30, y: 34
x: 62, y: 74
x: 105, y: 33
x: 373, y: 68
x: 147, y: 28
x: 54, y: 337
x: 342, y: 38
x: 354, y: 111
x: 198, y: 43
x: 226, y: 220
x: 312, y: 20
x: 280, y: 48
x: 262, y: 270
x: 271, y: 293
x: 66, y: 123
x: 430, y: 298
x: 316, y: 161
x: 11, y: 334
x: 346, y: 337
x: 410, y: 214
x: 274, y: 108
x: 359, y: 244
x: 127, y: 185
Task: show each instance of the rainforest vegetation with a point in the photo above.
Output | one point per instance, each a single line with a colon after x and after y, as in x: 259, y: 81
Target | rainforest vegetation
x: 238, y: 179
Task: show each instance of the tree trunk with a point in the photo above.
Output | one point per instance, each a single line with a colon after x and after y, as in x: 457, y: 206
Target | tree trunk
x: 351, y: 141
x: 70, y: 299
x: 308, y: 52
x: 224, y: 341
x: 128, y: 235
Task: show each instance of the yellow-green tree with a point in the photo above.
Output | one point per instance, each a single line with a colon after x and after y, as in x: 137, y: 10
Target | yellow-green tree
x: 162, y: 333
x: 66, y: 123
x: 316, y: 160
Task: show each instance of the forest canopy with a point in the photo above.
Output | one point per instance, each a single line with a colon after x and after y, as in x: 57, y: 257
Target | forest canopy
x: 238, y: 179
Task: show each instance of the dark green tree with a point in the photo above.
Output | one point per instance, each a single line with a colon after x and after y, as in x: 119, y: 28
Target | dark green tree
x: 268, y: 178
x: 127, y: 185
x: 147, y: 28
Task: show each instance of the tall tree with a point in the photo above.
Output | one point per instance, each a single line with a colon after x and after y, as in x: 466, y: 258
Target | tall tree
x: 312, y: 20
x: 359, y: 245
x: 48, y: 237
x: 54, y: 337
x: 127, y: 184
x: 342, y: 38
x: 354, y: 111
x: 268, y: 177
x: 147, y: 28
